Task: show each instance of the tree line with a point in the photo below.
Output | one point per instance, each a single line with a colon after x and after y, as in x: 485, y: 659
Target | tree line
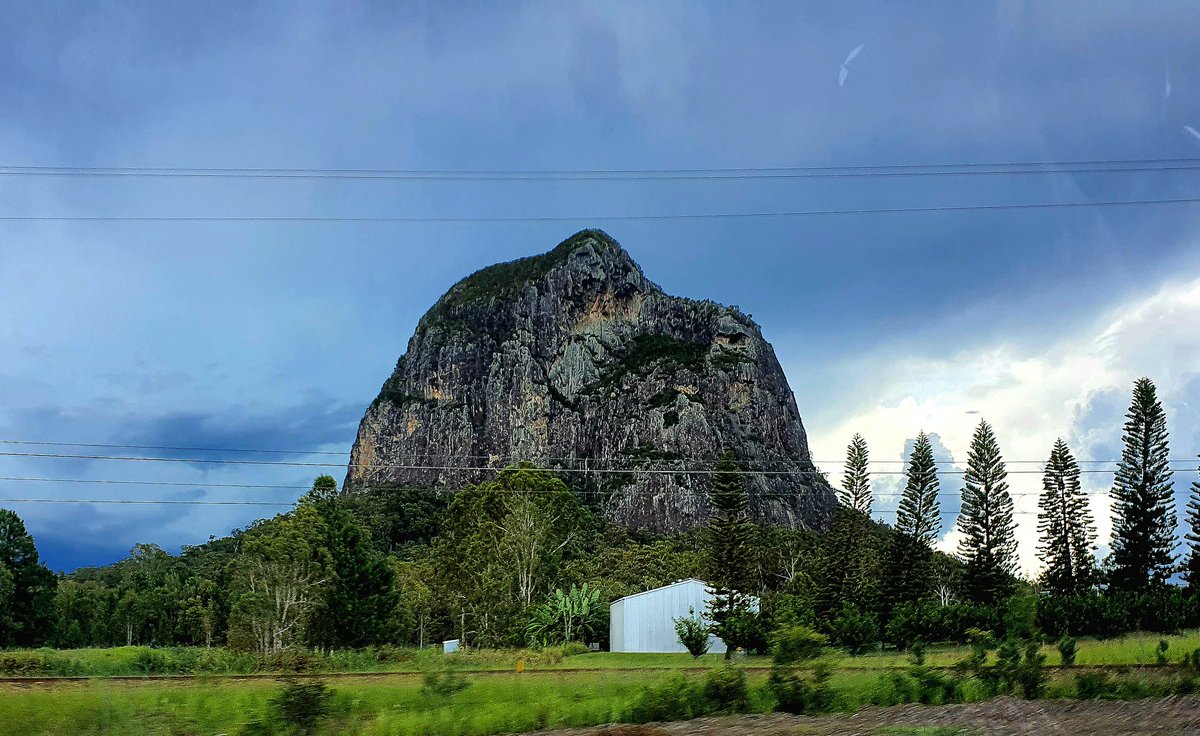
x: 523, y: 561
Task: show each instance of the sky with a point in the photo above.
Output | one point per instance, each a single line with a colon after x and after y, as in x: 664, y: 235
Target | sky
x: 276, y: 335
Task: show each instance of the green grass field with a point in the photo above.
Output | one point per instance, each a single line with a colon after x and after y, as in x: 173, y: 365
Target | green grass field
x: 586, y: 689
x: 1133, y: 649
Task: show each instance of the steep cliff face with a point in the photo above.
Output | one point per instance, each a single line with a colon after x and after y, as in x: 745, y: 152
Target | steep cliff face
x: 575, y: 360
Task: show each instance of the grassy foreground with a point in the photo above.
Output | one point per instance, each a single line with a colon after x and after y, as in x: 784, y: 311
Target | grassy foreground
x: 1133, y: 649
x: 397, y: 705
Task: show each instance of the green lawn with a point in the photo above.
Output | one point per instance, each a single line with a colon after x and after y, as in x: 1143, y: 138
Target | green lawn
x: 385, y: 705
x: 394, y: 704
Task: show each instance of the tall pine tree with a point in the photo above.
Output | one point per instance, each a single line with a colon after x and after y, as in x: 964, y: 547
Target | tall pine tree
x: 856, y: 481
x: 1067, y: 532
x: 1143, y: 509
x: 919, y: 515
x: 909, y: 575
x: 730, y: 538
x: 1191, y: 570
x: 989, y: 544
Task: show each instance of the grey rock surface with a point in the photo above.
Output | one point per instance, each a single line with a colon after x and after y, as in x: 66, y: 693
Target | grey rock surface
x: 576, y: 361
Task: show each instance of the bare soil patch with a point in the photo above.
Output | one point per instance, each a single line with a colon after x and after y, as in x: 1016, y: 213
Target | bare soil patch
x: 997, y: 717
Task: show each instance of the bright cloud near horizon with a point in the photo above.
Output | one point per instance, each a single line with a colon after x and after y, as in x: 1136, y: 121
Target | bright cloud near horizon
x: 278, y: 334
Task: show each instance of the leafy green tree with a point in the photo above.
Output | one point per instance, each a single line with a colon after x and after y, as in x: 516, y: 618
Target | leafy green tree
x: 1143, y: 508
x: 280, y: 577
x: 413, y: 615
x: 989, y: 544
x: 357, y: 604
x: 1068, y: 534
x: 730, y: 536
x: 1191, y: 570
x: 503, y: 544
x: 856, y: 480
x: 29, y: 586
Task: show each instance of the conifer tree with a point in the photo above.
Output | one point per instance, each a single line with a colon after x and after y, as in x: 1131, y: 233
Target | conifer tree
x: 919, y: 515
x: 856, y: 481
x: 1068, y: 534
x: 1191, y: 570
x: 730, y: 538
x: 1143, y: 509
x: 909, y: 571
x: 989, y: 545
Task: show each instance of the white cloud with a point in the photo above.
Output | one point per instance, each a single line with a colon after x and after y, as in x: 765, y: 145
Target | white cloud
x: 1076, y: 388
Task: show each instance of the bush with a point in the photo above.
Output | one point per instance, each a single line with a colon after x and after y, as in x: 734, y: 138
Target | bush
x: 574, y: 649
x: 725, y: 690
x: 796, y: 694
x: 934, y: 687
x: 674, y: 699
x: 1092, y: 685
x: 792, y: 644
x: 1160, y: 652
x: 693, y: 633
x: 442, y: 684
x: 1067, y: 650
x: 300, y: 705
x: 855, y: 630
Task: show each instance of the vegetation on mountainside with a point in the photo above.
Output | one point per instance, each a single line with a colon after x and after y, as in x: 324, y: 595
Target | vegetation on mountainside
x: 505, y: 280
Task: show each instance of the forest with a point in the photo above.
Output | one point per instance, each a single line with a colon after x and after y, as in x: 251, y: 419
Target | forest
x: 521, y: 561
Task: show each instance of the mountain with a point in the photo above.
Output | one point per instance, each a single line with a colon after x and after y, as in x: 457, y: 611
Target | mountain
x: 574, y: 360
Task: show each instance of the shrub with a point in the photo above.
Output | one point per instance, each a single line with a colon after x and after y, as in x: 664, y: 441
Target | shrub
x: 297, y: 708
x: 796, y: 694
x: 917, y: 652
x: 1092, y: 685
x: 855, y: 630
x: 443, y: 683
x: 934, y: 687
x: 725, y: 690
x: 1067, y: 650
x: 674, y: 699
x: 791, y: 644
x: 1160, y: 652
x: 693, y: 633
x: 574, y: 649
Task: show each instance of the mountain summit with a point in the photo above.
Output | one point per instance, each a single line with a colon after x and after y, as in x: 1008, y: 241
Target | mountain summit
x: 574, y: 360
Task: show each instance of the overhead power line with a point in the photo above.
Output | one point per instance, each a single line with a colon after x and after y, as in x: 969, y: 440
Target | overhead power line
x: 375, y: 487
x: 597, y: 218
x: 493, y: 468
x: 164, y: 502
x: 172, y: 448
x: 1103, y: 166
x: 510, y: 457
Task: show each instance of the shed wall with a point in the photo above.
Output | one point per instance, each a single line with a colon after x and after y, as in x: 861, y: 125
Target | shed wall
x: 646, y: 622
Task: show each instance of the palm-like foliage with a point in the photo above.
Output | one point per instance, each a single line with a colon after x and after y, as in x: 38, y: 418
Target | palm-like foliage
x: 574, y: 615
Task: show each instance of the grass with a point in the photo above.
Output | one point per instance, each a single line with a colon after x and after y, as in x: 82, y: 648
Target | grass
x: 388, y: 705
x: 1134, y: 649
x: 396, y: 704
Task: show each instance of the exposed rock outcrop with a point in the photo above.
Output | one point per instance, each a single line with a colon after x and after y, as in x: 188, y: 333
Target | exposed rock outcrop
x: 575, y: 360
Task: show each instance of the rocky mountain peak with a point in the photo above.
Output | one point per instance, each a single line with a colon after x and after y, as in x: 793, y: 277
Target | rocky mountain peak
x: 573, y: 359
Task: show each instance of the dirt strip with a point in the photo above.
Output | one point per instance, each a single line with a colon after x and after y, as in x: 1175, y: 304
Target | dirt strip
x: 1173, y: 716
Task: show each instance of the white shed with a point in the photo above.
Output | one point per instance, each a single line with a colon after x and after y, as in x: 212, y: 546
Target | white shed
x: 645, y: 622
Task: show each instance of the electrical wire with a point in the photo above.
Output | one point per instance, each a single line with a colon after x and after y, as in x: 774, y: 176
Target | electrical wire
x: 594, y: 218
x: 785, y: 172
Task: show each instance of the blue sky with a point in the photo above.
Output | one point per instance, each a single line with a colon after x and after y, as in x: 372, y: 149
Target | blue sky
x: 278, y: 335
